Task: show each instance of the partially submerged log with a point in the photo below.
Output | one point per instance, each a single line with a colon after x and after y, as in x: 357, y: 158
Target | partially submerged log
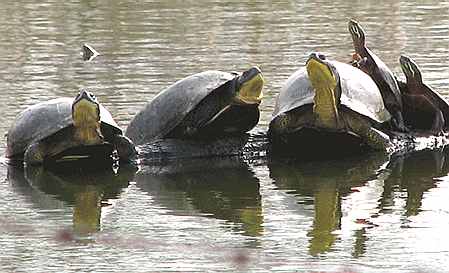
x: 257, y: 146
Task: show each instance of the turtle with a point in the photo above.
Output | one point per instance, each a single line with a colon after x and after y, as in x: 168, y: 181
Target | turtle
x: 88, y: 52
x: 371, y: 64
x: 424, y: 109
x: 205, y: 105
x: 330, y: 97
x: 45, y: 130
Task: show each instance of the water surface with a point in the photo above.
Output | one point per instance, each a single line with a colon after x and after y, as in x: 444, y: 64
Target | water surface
x: 366, y: 214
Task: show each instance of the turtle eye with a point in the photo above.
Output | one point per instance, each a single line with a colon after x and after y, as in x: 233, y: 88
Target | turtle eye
x: 92, y: 95
x: 321, y: 57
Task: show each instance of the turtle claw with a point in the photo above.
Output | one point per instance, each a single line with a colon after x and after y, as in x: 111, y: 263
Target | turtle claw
x: 378, y: 140
x: 34, y: 155
x: 437, y: 132
x: 280, y: 123
x: 125, y: 148
x: 402, y: 128
x: 397, y: 122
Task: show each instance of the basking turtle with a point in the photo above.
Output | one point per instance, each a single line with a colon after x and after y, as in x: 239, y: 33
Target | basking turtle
x: 48, y: 129
x: 204, y: 105
x: 380, y: 73
x: 424, y: 109
x: 330, y: 97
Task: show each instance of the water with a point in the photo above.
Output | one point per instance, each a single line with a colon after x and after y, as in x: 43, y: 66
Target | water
x: 369, y: 214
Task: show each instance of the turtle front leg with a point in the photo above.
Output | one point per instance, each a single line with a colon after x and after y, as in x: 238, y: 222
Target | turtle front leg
x: 420, y: 102
x: 377, y: 139
x: 289, y: 122
x: 374, y: 138
x: 398, y: 121
x: 35, y: 154
x: 360, y: 63
x: 125, y: 148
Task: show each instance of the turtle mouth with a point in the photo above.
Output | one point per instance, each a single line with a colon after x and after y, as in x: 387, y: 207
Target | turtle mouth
x: 324, y: 83
x: 250, y: 86
x: 86, y: 117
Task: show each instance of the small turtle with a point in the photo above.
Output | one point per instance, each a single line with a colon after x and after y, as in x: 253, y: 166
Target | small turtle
x: 330, y: 96
x: 380, y: 73
x: 424, y: 109
x: 89, y: 53
x: 48, y: 129
x: 209, y: 104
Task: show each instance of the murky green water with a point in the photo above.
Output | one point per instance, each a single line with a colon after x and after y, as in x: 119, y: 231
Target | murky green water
x: 367, y: 214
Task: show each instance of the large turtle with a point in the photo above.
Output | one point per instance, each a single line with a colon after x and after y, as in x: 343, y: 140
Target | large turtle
x: 380, y: 73
x: 330, y: 97
x: 424, y: 109
x: 203, y: 105
x: 48, y: 129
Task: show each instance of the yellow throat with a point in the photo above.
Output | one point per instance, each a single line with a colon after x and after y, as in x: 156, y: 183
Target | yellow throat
x: 325, y: 100
x: 251, y: 91
x: 86, y: 120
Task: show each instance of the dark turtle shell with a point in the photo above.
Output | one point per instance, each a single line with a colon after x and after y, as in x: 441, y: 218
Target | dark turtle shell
x: 442, y: 103
x: 43, y: 120
x: 387, y: 76
x: 358, y: 93
x: 434, y: 96
x: 170, y: 106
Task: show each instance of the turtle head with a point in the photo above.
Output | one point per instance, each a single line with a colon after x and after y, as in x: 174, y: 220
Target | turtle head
x: 249, y: 86
x: 89, y: 53
x: 86, y: 117
x: 410, y: 69
x: 325, y: 81
x: 357, y: 34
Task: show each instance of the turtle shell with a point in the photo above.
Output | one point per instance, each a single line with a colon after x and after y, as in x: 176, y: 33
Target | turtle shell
x: 442, y: 103
x: 43, y: 120
x: 387, y: 76
x: 169, y: 107
x: 433, y: 95
x: 359, y: 93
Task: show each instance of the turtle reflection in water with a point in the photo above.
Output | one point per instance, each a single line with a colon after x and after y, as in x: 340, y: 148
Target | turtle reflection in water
x: 322, y: 186
x: 222, y: 188
x: 359, y: 189
x: 331, y: 104
x: 211, y: 104
x: 47, y: 130
x: 414, y: 174
x: 85, y: 189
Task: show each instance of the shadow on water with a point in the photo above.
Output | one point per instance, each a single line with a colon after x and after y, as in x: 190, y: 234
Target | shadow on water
x: 87, y: 190
x: 222, y: 188
x: 325, y: 185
